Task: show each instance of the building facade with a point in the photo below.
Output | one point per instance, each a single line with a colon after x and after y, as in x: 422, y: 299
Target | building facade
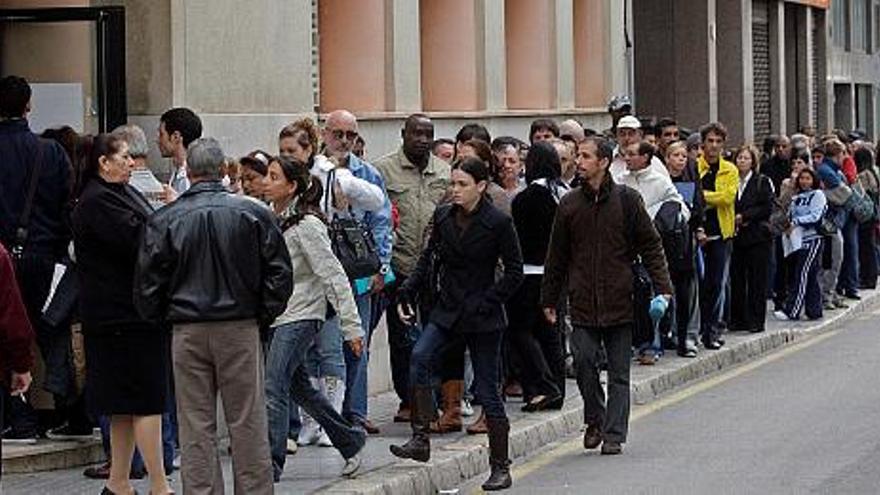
x: 248, y: 68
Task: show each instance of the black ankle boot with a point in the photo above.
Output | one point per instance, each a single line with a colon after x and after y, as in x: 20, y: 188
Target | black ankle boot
x: 418, y: 448
x: 499, y: 479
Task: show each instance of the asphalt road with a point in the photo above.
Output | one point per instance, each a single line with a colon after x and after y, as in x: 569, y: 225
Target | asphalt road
x: 806, y: 420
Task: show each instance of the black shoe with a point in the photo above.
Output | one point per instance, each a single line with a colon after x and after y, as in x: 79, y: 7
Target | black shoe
x: 712, y: 344
x: 592, y: 437
x: 14, y: 437
x: 687, y: 352
x: 756, y: 330
x: 68, y: 432
x: 418, y: 448
x: 853, y: 295
x: 612, y: 448
x: 499, y: 478
x: 541, y: 404
x: 556, y: 404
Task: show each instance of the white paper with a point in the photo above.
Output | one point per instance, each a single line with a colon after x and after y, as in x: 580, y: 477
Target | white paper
x: 56, y: 278
x: 147, y: 184
x: 793, y: 242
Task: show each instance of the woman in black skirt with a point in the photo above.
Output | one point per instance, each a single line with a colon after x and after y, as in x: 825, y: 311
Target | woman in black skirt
x: 127, y: 373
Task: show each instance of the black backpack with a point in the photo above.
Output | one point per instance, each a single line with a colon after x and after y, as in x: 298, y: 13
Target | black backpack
x: 676, y: 235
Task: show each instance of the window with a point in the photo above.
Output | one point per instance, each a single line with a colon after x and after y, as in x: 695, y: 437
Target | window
x: 351, y: 40
x: 860, y: 25
x: 840, y: 23
x: 530, y: 37
x: 449, y: 54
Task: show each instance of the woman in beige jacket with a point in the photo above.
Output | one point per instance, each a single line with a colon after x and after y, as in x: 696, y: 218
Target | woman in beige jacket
x: 318, y: 278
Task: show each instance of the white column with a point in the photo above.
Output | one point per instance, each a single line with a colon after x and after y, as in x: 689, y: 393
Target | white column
x: 564, y: 54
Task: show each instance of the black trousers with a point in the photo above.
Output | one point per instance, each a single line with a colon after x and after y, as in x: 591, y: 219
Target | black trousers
x: 748, y: 283
x: 586, y: 342
x: 867, y: 255
x: 400, y: 343
x: 538, y: 343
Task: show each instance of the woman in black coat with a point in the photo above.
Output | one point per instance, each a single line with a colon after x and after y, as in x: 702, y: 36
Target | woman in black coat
x: 749, y: 262
x: 127, y: 357
x: 468, y: 239
x: 538, y: 342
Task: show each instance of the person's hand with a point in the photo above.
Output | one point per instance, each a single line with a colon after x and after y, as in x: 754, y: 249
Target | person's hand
x: 357, y: 346
x: 20, y: 383
x: 702, y: 238
x: 550, y: 315
x: 405, y: 313
x: 738, y: 220
x: 377, y: 283
x: 340, y: 200
x: 168, y: 194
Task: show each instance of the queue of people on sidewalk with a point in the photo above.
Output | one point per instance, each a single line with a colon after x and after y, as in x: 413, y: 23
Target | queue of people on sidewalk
x: 493, y: 261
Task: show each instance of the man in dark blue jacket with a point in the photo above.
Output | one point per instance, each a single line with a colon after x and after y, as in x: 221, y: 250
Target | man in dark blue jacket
x: 39, y: 238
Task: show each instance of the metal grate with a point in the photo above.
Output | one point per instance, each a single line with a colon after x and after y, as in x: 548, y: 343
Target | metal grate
x: 761, y: 65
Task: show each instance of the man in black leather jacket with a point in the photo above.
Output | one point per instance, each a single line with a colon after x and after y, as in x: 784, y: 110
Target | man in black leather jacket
x: 215, y: 265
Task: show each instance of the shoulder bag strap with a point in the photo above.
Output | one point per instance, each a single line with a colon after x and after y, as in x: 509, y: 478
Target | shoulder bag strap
x: 24, y: 221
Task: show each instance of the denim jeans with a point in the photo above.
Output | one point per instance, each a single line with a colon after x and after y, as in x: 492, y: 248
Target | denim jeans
x: 848, y: 281
x: 286, y: 378
x: 354, y: 408
x: 324, y: 356
x: 485, y: 351
x: 717, y: 261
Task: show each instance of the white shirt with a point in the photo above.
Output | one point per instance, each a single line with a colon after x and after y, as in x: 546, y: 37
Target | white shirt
x: 361, y: 194
x: 179, y: 181
x: 618, y: 166
x: 742, y: 184
x: 655, y: 189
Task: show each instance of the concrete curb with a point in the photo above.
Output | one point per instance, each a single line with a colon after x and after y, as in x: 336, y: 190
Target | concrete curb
x: 453, y: 464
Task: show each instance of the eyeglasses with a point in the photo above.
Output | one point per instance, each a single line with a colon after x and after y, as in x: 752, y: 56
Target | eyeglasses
x: 340, y: 134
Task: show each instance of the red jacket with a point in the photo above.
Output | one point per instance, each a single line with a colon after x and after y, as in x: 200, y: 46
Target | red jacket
x: 16, y: 334
x: 848, y: 167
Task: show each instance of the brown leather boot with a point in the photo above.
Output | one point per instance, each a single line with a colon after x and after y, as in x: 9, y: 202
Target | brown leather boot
x: 479, y: 426
x: 450, y: 420
x: 418, y: 448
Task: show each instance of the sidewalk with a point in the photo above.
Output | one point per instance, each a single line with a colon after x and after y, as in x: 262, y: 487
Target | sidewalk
x: 457, y: 457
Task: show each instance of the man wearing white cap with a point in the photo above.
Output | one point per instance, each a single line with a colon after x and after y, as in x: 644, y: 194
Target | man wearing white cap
x: 629, y: 131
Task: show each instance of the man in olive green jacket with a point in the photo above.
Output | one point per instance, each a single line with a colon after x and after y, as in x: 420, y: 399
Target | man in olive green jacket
x: 416, y: 181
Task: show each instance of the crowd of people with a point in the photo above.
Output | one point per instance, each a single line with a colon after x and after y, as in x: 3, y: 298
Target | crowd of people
x: 259, y: 281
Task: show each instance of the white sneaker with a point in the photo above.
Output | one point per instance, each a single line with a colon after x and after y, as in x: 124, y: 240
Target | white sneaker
x: 352, y: 465
x: 292, y: 446
x: 467, y: 410
x: 310, y: 431
x: 334, y: 389
x: 781, y: 315
x: 176, y: 462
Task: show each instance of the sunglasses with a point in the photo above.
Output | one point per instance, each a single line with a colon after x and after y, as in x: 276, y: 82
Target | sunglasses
x: 340, y: 134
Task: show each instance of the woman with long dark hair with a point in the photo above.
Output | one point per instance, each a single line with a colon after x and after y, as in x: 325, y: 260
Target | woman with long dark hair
x: 128, y: 368
x: 538, y: 342
x: 318, y: 278
x: 469, y: 237
x: 806, y: 210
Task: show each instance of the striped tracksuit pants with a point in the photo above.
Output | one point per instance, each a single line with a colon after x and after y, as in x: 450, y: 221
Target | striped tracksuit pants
x: 805, y: 294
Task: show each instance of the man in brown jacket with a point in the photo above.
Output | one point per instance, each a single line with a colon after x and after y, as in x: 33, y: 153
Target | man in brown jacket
x: 599, y: 229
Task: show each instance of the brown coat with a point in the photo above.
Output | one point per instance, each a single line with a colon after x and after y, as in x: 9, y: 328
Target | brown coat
x: 590, y: 257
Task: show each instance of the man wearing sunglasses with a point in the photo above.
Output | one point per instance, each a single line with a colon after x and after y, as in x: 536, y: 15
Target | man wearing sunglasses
x: 340, y: 135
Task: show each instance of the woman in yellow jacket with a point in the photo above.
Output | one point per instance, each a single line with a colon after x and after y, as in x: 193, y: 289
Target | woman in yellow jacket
x: 720, y: 181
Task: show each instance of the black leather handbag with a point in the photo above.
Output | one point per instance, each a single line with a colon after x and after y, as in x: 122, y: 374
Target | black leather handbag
x: 351, y: 240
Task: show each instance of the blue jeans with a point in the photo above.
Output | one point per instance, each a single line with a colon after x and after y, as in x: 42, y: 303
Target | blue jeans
x: 717, y: 262
x: 286, y: 378
x: 324, y: 356
x: 848, y: 281
x: 354, y: 408
x: 485, y: 351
